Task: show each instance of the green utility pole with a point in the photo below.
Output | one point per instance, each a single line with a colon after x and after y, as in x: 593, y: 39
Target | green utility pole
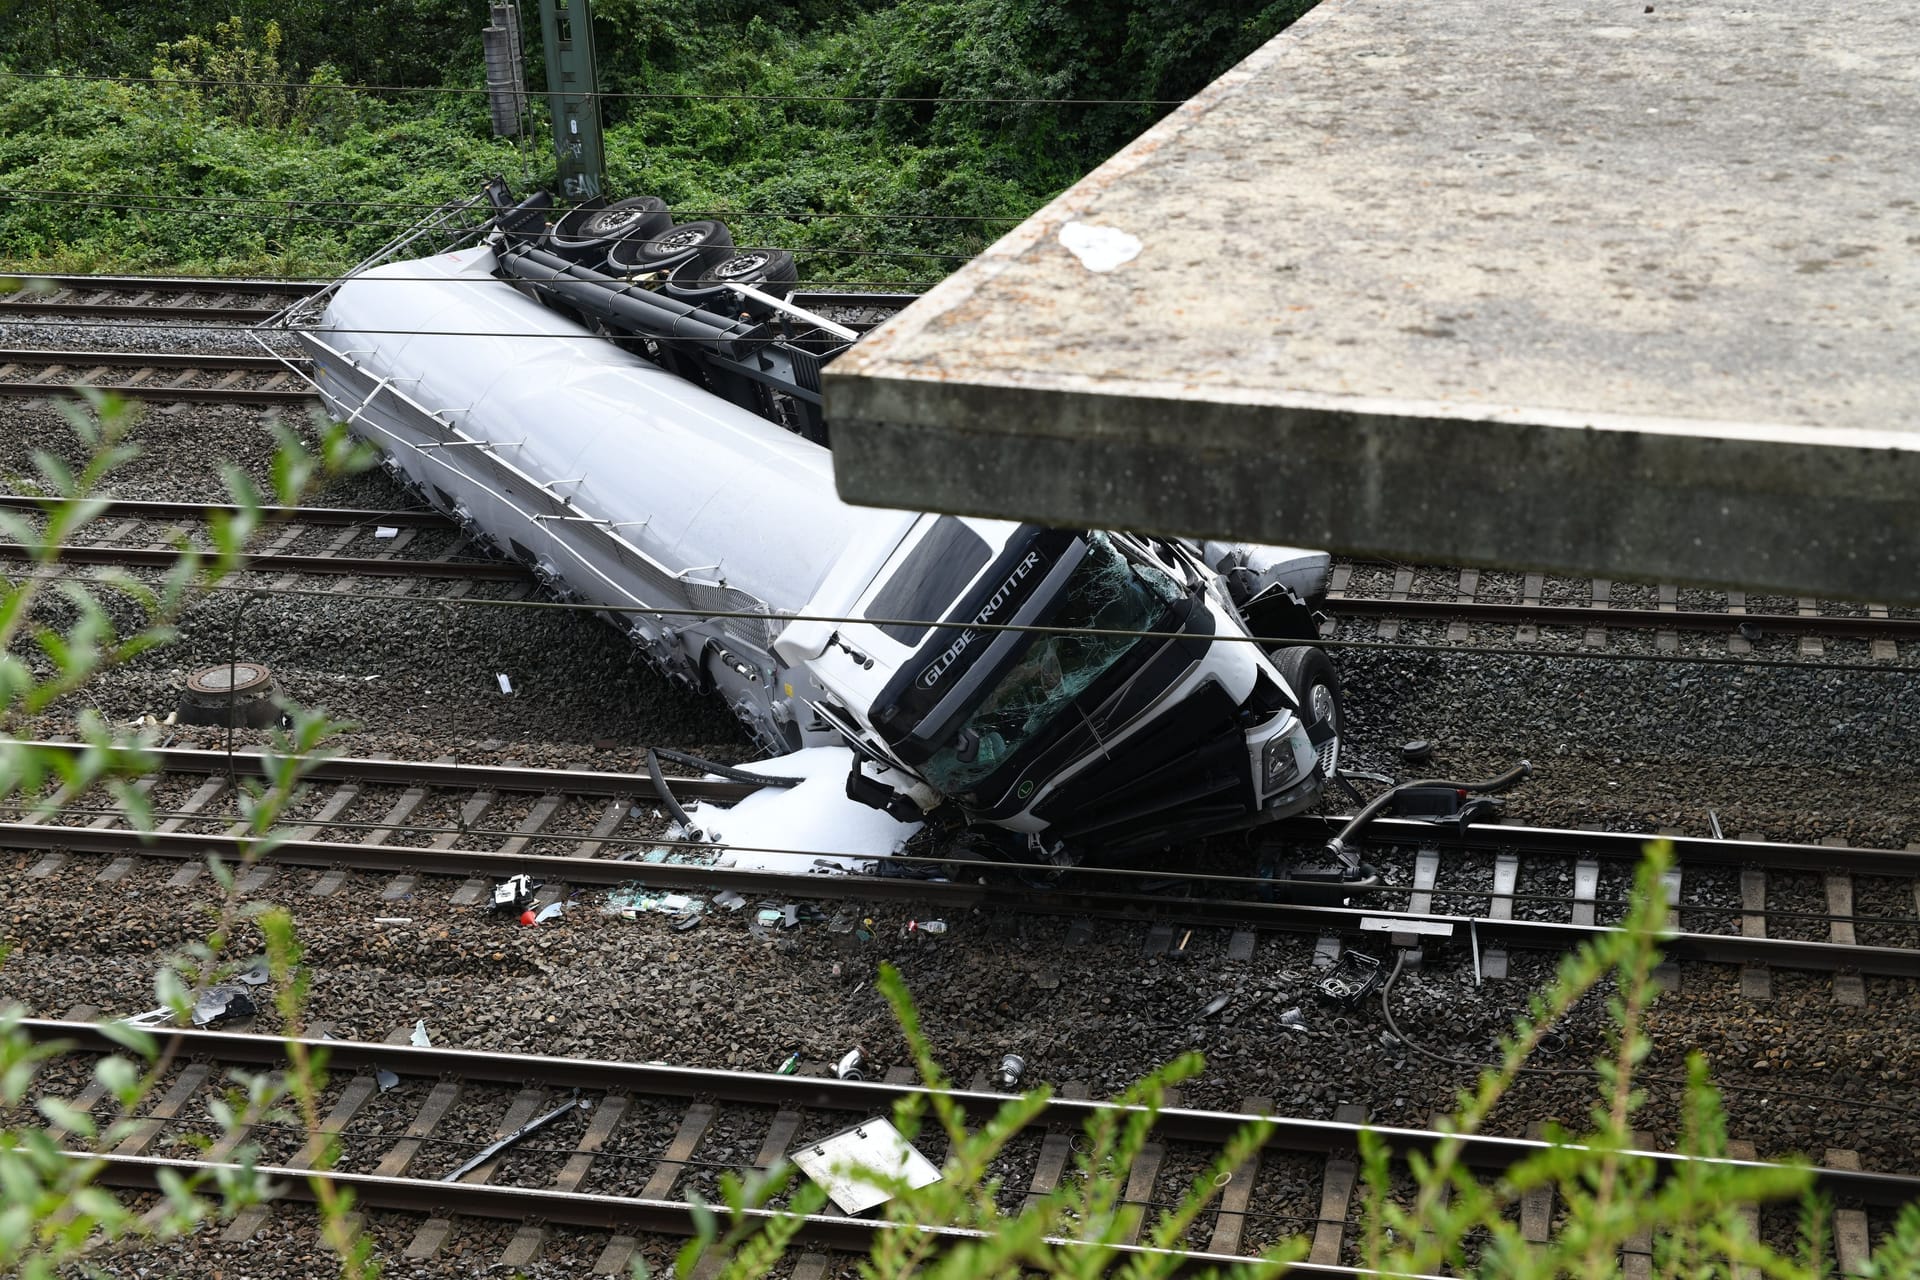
x: 566, y: 28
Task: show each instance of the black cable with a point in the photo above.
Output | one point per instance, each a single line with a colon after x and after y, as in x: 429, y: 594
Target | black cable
x: 666, y: 793
x: 1372, y: 809
x: 723, y: 770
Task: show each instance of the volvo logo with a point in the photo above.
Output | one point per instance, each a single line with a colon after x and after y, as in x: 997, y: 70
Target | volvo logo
x: 939, y: 666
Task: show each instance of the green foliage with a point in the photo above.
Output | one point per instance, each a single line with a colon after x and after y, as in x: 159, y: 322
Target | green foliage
x: 273, y: 166
x: 1078, y: 1230
x: 52, y: 1212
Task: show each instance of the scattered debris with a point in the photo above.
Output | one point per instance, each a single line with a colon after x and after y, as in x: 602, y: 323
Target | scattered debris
x: 506, y: 685
x: 393, y: 919
x: 222, y: 1002
x: 1419, y: 751
x: 419, y: 1037
x: 848, y: 1068
x: 729, y: 899
x: 1354, y: 975
x: 493, y: 1149
x: 1215, y: 1005
x: 385, y: 531
x: 1012, y: 1067
x: 255, y: 975
x: 526, y: 918
x: 1179, y: 950
x: 923, y: 926
x: 385, y: 1079
x: 1294, y: 1018
x: 631, y: 901
x: 776, y: 916
x: 843, y: 1163
x: 549, y: 911
x: 513, y: 894
x: 790, y: 1065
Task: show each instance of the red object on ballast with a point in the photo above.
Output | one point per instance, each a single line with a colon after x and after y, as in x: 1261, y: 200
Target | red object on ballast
x: 526, y: 918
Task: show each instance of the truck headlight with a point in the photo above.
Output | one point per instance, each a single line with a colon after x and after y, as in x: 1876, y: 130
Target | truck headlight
x: 1278, y: 763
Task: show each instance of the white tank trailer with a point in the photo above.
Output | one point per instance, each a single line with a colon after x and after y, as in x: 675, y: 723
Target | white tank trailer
x: 586, y: 444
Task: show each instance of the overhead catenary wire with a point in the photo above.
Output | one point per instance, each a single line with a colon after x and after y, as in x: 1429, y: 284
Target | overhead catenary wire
x: 604, y: 95
x: 359, y: 224
x: 43, y: 195
x: 774, y: 616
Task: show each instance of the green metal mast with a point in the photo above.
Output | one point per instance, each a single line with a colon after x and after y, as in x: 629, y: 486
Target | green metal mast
x: 566, y: 28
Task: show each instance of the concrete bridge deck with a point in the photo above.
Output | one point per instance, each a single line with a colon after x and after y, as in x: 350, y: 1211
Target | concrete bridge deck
x: 1608, y: 287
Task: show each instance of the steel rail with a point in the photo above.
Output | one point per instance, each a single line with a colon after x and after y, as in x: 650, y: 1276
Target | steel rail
x: 156, y: 393
x: 181, y: 284
x: 827, y: 1093
x: 124, y: 508
x: 359, y: 566
x: 145, y: 359
x: 254, y: 760
x: 1617, y: 618
x: 136, y: 311
x: 1625, y: 846
x: 1621, y: 845
x: 1292, y: 917
x: 626, y: 1215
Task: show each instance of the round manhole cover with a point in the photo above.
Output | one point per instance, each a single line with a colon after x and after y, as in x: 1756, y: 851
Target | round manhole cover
x: 232, y: 693
x: 237, y: 677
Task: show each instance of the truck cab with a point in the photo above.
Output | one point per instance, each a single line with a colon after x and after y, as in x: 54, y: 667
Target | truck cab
x: 1085, y: 687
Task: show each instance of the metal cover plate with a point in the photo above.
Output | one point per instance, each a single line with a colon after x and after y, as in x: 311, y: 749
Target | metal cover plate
x: 873, y: 1147
x: 1384, y: 924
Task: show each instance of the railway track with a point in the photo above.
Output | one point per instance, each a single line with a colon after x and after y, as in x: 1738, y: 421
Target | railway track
x: 1536, y: 608
x: 615, y: 1147
x: 154, y: 376
x: 170, y: 298
x: 346, y: 544
x: 1468, y: 889
x: 1470, y: 621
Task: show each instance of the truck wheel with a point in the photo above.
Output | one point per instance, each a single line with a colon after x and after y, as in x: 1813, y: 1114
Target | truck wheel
x: 1310, y: 674
x: 589, y: 229
x: 668, y: 248
x: 768, y: 270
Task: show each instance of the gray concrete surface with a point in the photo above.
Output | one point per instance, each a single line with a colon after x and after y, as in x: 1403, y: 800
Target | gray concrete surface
x: 1618, y: 288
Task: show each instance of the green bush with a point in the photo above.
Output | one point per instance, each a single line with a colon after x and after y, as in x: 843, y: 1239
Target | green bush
x: 274, y: 166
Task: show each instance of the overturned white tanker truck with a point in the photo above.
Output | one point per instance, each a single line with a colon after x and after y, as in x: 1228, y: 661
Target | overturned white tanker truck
x: 632, y: 409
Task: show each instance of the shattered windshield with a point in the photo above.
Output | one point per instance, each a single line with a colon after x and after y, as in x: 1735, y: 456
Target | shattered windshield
x: 1105, y: 592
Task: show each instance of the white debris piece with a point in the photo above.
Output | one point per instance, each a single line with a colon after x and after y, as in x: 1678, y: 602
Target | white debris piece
x: 506, y: 685
x: 1099, y: 248
x: 419, y: 1036
x: 847, y: 1164
x: 386, y: 531
x: 811, y: 819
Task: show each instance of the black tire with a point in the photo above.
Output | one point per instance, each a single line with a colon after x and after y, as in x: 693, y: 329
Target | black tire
x: 1311, y: 675
x: 586, y: 232
x: 768, y: 270
x: 669, y: 247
